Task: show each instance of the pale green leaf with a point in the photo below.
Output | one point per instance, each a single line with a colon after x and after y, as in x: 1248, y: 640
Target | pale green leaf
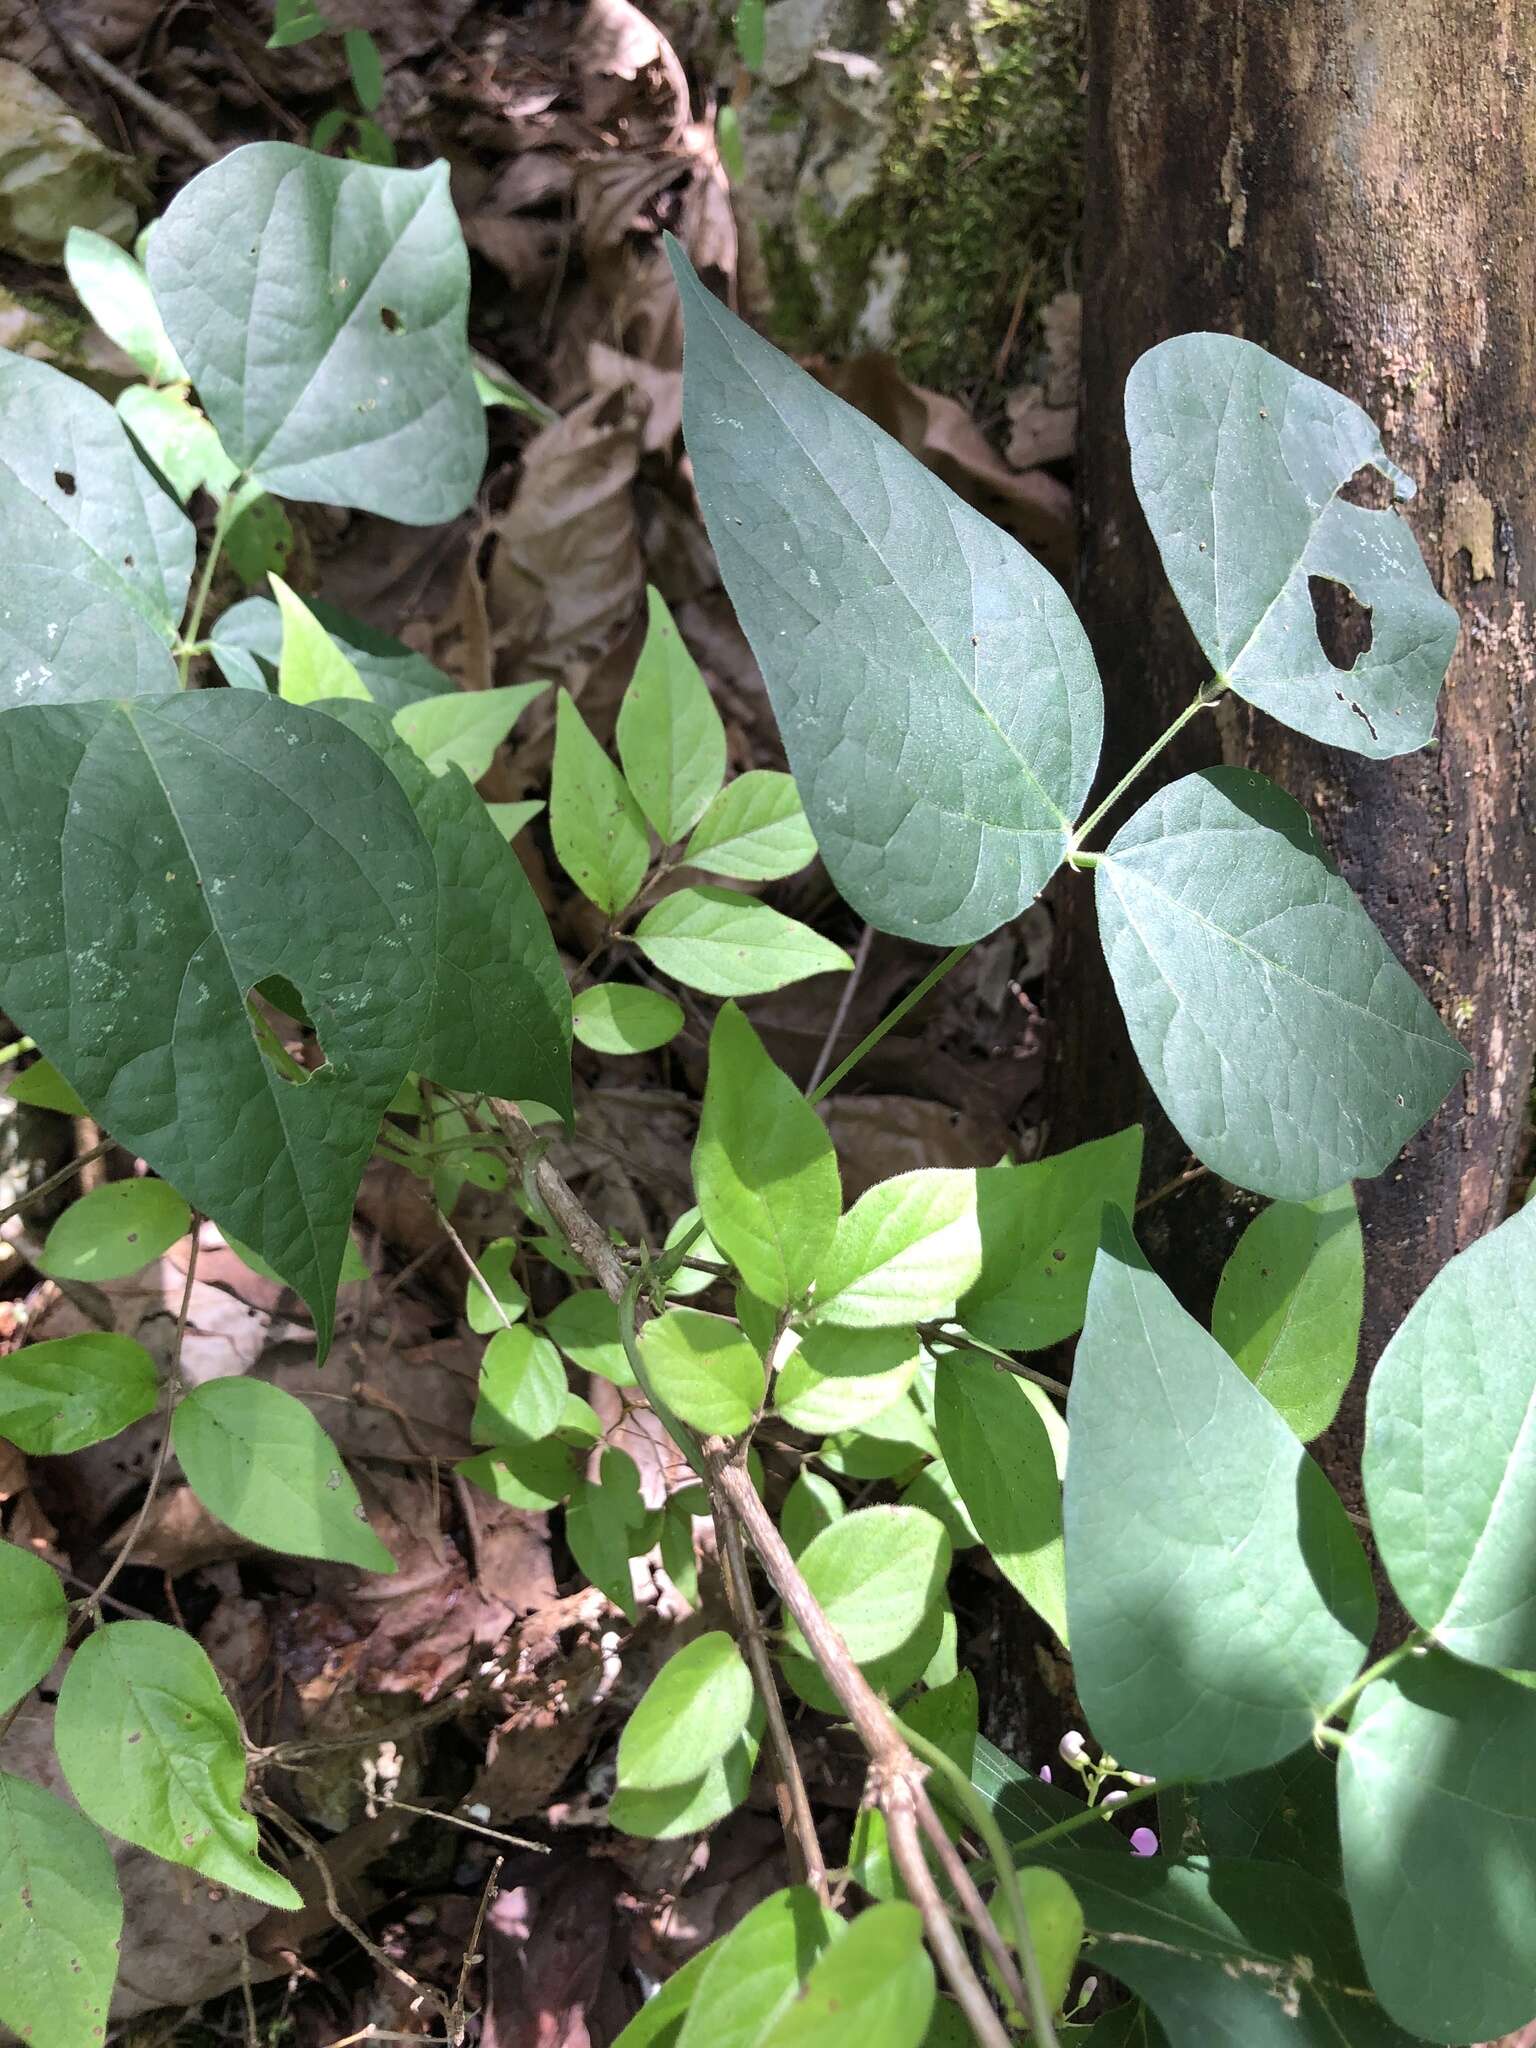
x: 694, y: 1710
x: 61, y: 1920
x: 728, y: 944
x: 115, y: 1229
x: 100, y: 558
x: 1289, y: 1303
x: 1217, y: 1596
x: 1054, y: 1918
x: 176, y: 439
x: 34, y: 1619
x: 257, y: 1459
x: 755, y: 830
x: 1288, y: 1047
x: 906, y: 1251
x: 510, y: 819
x: 616, y: 1017
x: 1239, y: 462
x: 679, y: 1559
x: 934, y: 1490
x: 670, y: 736
x: 998, y: 1452
x: 877, y: 1573
x: 506, y: 1301
x: 534, y: 1477
x: 1039, y: 1237
x: 704, y: 1369
x: 689, y: 1808
x: 1450, y: 1451
x: 152, y: 1751
x: 1437, y: 1813
x: 874, y: 1984
x: 312, y: 667
x: 812, y: 1504
x: 61, y: 1395
x: 522, y: 1389
x: 320, y: 310
x: 463, y: 728
x: 230, y: 837
x: 658, y: 2022
x: 42, y: 1086
x: 247, y: 644
x: 835, y: 1379
x: 598, y: 828
x: 112, y: 287
x: 756, y: 1972
x: 763, y: 1167
x: 886, y: 1445
x: 586, y: 1327
x: 937, y: 697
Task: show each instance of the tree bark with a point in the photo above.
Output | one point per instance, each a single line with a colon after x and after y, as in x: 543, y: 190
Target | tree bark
x: 1349, y: 183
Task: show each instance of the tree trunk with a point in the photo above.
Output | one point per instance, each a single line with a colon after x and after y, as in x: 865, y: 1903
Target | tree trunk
x: 1350, y: 184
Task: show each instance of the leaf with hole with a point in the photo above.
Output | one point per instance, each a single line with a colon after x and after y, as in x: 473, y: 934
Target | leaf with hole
x: 59, y: 1396
x: 1450, y: 1451
x: 754, y: 831
x: 693, y: 1711
x: 114, y: 1230
x: 320, y: 310
x: 906, y: 1251
x: 998, y: 1451
x: 1289, y: 1303
x: 153, y: 1752
x: 34, y: 1619
x: 671, y: 739
x: 100, y: 557
x: 463, y: 728
x: 1240, y: 463
x: 112, y: 287
x: 522, y: 1389
x: 597, y: 827
x: 704, y: 1369
x: 61, y: 1920
x: 230, y: 837
x: 618, y: 1018
x: 1288, y: 1047
x: 938, y: 700
x: 875, y: 1982
x: 1217, y: 1595
x: 727, y: 944
x: 257, y: 1459
x: 176, y: 440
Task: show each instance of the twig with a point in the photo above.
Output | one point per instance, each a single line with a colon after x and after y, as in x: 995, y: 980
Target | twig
x: 55, y: 1180
x: 963, y: 1886
x: 456, y: 2022
x: 583, y: 1233
x: 248, y: 1996
x: 473, y: 1270
x: 1175, y: 1186
x: 958, y: 1339
x: 907, y: 1854
x: 888, y: 1022
x: 172, y: 123
x: 844, y: 1005
x: 472, y: 1827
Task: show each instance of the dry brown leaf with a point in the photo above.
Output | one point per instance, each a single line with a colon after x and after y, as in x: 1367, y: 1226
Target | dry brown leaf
x: 55, y: 174
x: 553, y: 1955
x: 659, y: 391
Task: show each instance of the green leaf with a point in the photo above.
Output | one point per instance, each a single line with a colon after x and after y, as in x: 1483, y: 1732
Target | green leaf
x: 1289, y: 1303
x: 586, y: 1327
x: 598, y: 829
x: 616, y: 1017
x: 229, y: 837
x: 320, y: 310
x: 907, y: 1250
x: 1217, y: 1595
x: 755, y: 1973
x: 704, y: 1369
x: 602, y: 1528
x: 366, y: 67
x: 297, y: 21
x: 934, y: 1490
x: 259, y: 539
x: 1437, y: 1814
x: 812, y: 1504
x: 693, y: 1711
x: 1450, y: 1451
x: 1128, y: 2026
x: 115, y: 1229
x: 534, y: 1477
x: 34, y: 1620
x: 874, y: 1983
x: 43, y: 1087
x: 1239, y: 462
x: 839, y: 1379
x: 1285, y: 1814
x: 510, y: 819
x: 1055, y: 1922
x: 763, y: 1167
x: 61, y: 1920
x: 687, y: 1809
x: 1040, y: 1236
x: 112, y: 287
x: 998, y: 1452
x: 59, y: 1396
x: 176, y: 440
x: 100, y: 558
x: 659, y: 2021
x: 247, y: 644
x: 877, y: 1574
x: 1289, y: 1048
x: 755, y: 830
x: 506, y: 1302
x: 884, y: 1446
x: 497, y: 386
x: 257, y: 1459
x: 937, y: 697
x: 312, y: 666
x: 152, y: 1751
x: 749, y: 24
x: 671, y: 739
x: 463, y: 728
x: 728, y: 944
x: 522, y: 1389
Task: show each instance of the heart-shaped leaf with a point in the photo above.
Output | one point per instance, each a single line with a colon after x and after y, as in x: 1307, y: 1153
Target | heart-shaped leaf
x: 34, y: 1618
x: 691, y: 1713
x: 1239, y: 462
x: 99, y: 558
x: 937, y: 697
x: 320, y: 309
x: 60, y: 1396
x: 61, y: 1917
x: 1450, y: 1451
x: 229, y: 837
x: 1289, y: 1048
x: 1218, y: 1598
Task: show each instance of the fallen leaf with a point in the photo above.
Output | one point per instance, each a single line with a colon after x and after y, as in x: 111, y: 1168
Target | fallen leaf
x: 55, y: 174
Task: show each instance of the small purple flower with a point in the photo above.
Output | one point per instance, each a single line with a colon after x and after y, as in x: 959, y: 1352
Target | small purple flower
x: 1115, y: 1798
x: 1045, y: 1774
x: 1072, y: 1748
x: 1143, y: 1842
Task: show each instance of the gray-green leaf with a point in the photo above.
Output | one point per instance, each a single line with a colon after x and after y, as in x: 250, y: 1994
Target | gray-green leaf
x: 1217, y: 1596
x: 937, y: 697
x: 671, y: 739
x: 99, y: 557
x: 34, y: 1618
x: 1290, y: 1049
x: 1239, y: 462
x: 320, y: 309
x: 61, y: 1917
x: 59, y: 1396
x: 1289, y: 1303
x: 1450, y: 1451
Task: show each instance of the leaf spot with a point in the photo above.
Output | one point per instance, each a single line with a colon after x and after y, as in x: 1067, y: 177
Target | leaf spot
x: 65, y: 480
x: 390, y: 320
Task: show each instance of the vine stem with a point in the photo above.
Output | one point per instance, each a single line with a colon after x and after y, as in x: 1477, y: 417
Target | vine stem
x: 1369, y: 1675
x: 1204, y: 699
x: 224, y: 518
x: 55, y: 1180
x: 889, y: 1022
